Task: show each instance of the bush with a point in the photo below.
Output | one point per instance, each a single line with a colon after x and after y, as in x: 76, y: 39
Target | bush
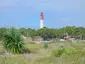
x: 13, y: 41
x: 69, y: 51
x: 57, y: 52
x: 64, y: 51
x: 45, y: 45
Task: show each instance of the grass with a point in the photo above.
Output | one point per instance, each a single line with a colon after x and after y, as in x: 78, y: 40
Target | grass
x: 33, y: 47
x: 69, y: 53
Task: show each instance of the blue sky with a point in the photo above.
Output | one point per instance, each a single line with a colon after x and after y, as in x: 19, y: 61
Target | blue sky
x: 57, y: 13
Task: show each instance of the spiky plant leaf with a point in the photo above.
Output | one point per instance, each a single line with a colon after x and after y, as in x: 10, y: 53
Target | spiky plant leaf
x: 13, y: 41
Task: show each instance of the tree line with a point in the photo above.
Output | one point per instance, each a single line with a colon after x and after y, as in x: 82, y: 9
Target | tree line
x: 49, y: 33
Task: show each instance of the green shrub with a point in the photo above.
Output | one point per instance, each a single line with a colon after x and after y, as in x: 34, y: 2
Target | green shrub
x: 45, y: 45
x: 13, y: 41
x: 64, y: 51
x: 69, y: 51
x: 57, y: 52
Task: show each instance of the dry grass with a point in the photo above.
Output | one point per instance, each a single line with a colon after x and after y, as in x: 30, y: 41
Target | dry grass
x: 44, y: 56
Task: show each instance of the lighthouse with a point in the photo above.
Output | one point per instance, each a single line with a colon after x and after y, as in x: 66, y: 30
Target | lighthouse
x: 41, y: 20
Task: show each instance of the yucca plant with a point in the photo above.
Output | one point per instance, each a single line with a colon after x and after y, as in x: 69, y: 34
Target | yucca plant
x: 13, y: 41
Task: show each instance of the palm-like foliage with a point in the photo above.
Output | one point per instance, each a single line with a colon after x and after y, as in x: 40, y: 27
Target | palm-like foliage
x: 13, y: 41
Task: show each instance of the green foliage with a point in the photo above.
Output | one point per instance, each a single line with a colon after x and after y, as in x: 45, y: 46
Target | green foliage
x: 64, y: 51
x: 57, y: 52
x: 70, y: 51
x: 45, y: 45
x: 2, y: 33
x: 28, y: 32
x: 49, y: 33
x: 13, y: 41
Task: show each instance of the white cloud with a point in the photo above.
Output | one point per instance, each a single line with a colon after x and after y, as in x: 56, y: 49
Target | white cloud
x: 47, y: 5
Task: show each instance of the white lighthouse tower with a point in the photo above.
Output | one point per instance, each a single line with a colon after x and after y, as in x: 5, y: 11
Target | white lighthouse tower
x: 41, y: 20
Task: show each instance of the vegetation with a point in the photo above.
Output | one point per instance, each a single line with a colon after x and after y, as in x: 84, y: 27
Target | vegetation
x: 64, y: 51
x: 32, y: 47
x: 70, y: 53
x: 2, y: 33
x: 50, y: 33
x: 13, y: 41
x: 58, y: 52
x: 45, y: 45
x: 43, y: 53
